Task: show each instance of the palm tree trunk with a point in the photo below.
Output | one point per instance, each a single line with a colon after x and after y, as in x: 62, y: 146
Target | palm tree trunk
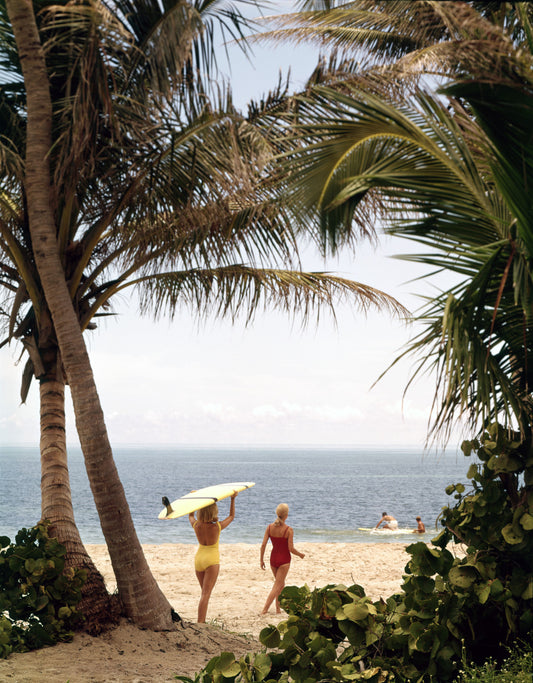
x: 98, y: 607
x: 143, y: 601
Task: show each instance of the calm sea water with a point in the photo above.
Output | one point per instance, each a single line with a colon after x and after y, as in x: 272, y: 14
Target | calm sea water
x: 331, y: 492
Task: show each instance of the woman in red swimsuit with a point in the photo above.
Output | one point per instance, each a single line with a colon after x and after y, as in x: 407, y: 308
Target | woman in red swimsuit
x: 281, y: 536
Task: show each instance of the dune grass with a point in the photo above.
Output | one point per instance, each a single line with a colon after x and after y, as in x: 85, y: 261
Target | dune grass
x: 517, y: 668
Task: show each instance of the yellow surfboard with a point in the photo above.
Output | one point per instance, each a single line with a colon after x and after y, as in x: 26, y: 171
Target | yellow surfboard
x: 196, y: 500
x: 379, y: 530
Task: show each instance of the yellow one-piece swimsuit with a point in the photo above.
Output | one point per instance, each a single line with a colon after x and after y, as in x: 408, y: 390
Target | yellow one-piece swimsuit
x: 207, y: 555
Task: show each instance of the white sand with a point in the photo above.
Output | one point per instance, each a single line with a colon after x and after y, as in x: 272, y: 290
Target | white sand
x: 242, y: 586
x: 128, y: 654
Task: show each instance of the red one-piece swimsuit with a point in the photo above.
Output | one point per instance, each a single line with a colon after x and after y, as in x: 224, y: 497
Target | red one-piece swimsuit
x: 280, y: 549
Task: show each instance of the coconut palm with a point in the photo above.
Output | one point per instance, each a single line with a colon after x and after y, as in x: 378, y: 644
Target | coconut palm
x: 149, y: 606
x: 132, y: 178
x: 429, y: 175
x: 451, y: 171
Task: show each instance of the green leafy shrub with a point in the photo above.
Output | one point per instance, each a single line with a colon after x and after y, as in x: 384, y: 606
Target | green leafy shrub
x: 450, y: 611
x: 494, y: 520
x: 38, y: 596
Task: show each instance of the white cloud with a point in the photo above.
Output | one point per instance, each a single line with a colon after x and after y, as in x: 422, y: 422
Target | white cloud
x: 323, y: 413
x: 268, y: 412
x: 408, y: 410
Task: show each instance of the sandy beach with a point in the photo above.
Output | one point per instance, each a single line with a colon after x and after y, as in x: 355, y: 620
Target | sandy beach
x: 129, y: 655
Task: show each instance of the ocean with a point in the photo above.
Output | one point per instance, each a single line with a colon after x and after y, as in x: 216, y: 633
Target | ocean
x: 331, y: 491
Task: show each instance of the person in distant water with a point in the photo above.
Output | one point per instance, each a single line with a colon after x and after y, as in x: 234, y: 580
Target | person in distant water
x: 207, y: 559
x: 390, y: 522
x: 421, y: 528
x: 281, y: 536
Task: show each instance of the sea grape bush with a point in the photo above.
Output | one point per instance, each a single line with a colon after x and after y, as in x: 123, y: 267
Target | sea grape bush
x: 38, y: 596
x: 451, y: 610
x: 495, y: 522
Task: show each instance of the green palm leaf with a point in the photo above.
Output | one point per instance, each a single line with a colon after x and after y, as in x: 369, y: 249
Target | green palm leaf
x: 449, y: 177
x: 240, y: 290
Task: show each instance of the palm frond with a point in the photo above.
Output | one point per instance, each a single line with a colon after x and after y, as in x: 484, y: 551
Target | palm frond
x: 365, y: 158
x: 159, y: 182
x: 415, y: 38
x: 386, y: 29
x: 505, y: 113
x: 240, y: 290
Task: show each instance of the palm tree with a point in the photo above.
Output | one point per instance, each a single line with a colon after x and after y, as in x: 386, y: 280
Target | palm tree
x: 448, y: 170
x: 138, y: 188
x: 427, y: 172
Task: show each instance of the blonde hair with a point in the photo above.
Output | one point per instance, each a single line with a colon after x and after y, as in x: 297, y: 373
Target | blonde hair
x: 281, y: 511
x: 208, y: 514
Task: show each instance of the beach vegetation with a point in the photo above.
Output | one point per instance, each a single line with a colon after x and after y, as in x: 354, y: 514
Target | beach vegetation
x: 39, y: 596
x: 517, y: 667
x: 123, y: 169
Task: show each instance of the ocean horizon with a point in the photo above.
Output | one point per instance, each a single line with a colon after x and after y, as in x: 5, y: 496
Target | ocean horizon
x: 332, y: 491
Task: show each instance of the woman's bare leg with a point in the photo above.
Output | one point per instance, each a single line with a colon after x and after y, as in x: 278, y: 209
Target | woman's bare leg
x: 207, y: 580
x: 280, y: 574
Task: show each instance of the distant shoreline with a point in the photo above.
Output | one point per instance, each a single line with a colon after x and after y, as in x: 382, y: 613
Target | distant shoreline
x: 230, y: 446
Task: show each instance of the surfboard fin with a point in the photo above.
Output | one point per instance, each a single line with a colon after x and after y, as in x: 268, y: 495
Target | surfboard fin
x: 167, y: 504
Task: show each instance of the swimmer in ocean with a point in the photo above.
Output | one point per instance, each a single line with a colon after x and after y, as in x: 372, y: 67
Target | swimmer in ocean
x: 390, y: 522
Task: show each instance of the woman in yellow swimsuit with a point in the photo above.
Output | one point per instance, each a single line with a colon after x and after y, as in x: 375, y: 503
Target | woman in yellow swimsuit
x: 207, y: 559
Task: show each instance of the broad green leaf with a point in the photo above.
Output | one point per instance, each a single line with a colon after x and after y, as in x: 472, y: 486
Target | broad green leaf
x: 462, y: 576
x: 353, y: 631
x: 371, y: 637
x: 497, y: 588
x: 64, y: 612
x: 425, y: 642
x: 270, y: 637
x: 30, y: 565
x: 528, y: 593
x: 483, y: 592
x: 512, y: 535
x: 262, y: 665
x: 41, y: 602
x: 452, y: 628
x: 527, y: 521
x: 357, y: 611
x: 227, y: 665
x: 472, y: 471
x: 416, y: 629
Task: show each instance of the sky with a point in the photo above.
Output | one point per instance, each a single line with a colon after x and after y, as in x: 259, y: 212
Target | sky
x: 216, y: 383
